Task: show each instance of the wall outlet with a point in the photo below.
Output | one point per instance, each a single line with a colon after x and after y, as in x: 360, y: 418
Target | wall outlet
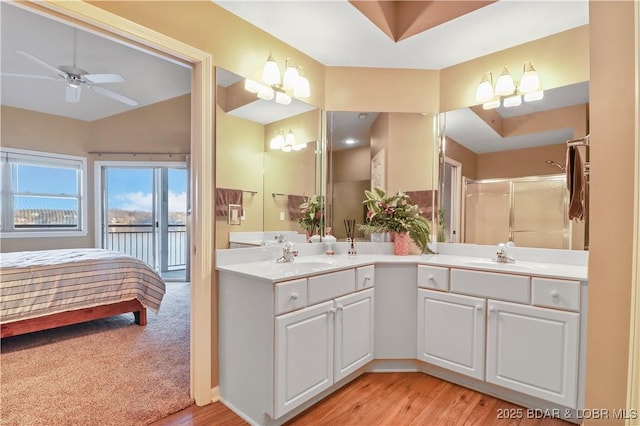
x: 282, y: 216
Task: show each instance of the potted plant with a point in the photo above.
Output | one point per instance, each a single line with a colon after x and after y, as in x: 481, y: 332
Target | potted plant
x: 312, y: 215
x: 394, y: 213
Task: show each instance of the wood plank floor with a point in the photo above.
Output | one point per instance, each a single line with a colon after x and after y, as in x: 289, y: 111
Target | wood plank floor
x: 385, y: 399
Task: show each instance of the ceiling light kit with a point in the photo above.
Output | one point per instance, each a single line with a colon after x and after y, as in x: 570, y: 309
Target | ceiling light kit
x: 277, y: 85
x: 507, y: 90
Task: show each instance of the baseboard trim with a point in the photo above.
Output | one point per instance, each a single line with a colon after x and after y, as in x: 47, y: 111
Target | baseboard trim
x: 215, y: 394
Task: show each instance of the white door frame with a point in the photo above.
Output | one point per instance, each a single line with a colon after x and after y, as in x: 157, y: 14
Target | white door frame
x: 456, y: 195
x: 202, y: 177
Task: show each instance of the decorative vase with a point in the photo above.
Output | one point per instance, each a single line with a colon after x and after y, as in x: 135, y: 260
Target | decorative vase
x: 401, y: 243
x: 377, y: 237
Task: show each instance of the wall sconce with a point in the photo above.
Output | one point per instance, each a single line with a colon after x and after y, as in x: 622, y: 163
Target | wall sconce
x: 277, y: 86
x: 286, y: 143
x: 507, y: 90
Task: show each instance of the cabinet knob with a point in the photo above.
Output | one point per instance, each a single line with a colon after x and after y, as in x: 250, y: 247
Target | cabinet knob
x: 367, y: 278
x: 294, y: 296
x: 430, y: 277
x: 332, y: 311
x: 339, y: 307
x: 478, y: 307
x: 555, y: 294
x: 492, y: 309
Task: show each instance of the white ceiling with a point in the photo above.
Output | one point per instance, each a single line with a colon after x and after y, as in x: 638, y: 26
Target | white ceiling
x: 149, y: 78
x: 332, y: 32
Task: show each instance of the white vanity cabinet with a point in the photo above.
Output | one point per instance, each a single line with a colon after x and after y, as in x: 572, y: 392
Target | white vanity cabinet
x: 451, y: 331
x: 320, y: 345
x: 516, y: 331
x: 533, y: 350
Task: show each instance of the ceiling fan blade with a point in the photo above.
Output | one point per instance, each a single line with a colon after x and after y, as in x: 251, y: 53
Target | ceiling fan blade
x: 104, y: 78
x: 41, y: 77
x: 113, y: 95
x: 72, y: 94
x: 41, y: 62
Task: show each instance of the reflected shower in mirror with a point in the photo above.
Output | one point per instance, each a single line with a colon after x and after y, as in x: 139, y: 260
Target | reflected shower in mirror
x: 502, y: 172
x: 253, y: 155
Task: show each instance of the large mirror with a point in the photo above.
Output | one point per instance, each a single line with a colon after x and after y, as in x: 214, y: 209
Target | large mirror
x: 503, y: 172
x: 250, y: 162
x: 391, y: 150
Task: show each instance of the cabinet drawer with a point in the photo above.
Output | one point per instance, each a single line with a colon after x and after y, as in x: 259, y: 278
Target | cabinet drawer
x: 328, y: 286
x: 364, y: 277
x: 433, y: 277
x: 561, y: 294
x: 514, y: 288
x: 290, y: 295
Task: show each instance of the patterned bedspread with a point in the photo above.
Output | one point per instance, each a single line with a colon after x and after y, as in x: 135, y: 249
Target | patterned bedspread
x: 39, y: 283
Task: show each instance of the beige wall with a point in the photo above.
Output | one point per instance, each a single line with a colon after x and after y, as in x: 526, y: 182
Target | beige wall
x: 157, y: 128
x: 351, y: 177
x: 521, y: 162
x: 612, y: 116
x: 240, y: 154
x: 560, y: 59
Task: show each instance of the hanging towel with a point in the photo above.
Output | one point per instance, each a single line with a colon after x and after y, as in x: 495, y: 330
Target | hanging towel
x: 424, y: 201
x: 294, y: 206
x: 224, y: 197
x: 576, y: 182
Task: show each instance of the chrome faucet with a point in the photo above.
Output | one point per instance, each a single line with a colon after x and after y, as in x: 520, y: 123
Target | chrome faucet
x: 502, y: 256
x: 288, y: 252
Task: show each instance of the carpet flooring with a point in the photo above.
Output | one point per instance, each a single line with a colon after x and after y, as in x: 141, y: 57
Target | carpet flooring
x: 104, y: 372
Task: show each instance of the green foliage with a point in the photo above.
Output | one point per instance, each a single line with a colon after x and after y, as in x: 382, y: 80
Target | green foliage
x: 312, y: 212
x: 394, y: 213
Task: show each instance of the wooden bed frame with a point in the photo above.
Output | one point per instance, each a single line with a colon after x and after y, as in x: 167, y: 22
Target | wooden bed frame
x: 75, y: 317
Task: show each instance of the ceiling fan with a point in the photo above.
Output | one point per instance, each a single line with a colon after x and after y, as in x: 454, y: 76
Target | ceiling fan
x: 75, y: 78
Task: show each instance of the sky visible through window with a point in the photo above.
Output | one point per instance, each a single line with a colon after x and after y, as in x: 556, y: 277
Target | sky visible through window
x: 131, y: 189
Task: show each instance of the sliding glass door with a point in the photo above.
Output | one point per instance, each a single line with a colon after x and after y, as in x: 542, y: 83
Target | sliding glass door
x: 144, y: 214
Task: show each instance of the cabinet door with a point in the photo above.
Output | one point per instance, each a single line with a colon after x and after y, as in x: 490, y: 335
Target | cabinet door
x: 354, y: 332
x: 534, y: 351
x: 303, y: 355
x: 451, y: 331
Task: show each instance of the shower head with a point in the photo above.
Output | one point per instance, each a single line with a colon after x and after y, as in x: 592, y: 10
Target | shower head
x: 558, y: 165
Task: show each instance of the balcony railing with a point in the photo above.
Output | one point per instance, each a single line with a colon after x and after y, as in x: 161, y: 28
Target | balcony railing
x: 137, y: 241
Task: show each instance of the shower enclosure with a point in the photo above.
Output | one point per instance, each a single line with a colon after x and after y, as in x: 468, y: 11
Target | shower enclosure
x: 531, y: 211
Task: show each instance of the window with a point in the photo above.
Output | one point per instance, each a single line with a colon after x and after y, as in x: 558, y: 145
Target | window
x: 43, y: 194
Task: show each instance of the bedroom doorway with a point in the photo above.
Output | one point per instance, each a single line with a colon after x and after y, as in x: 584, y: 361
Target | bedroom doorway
x: 143, y: 213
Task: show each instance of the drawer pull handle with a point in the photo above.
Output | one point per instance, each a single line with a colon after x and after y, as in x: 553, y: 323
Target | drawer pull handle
x: 294, y: 296
x: 554, y: 294
x: 367, y: 278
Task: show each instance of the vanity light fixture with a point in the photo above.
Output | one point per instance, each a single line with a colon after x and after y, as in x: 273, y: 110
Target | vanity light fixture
x: 277, y: 86
x: 286, y: 142
x: 507, y: 90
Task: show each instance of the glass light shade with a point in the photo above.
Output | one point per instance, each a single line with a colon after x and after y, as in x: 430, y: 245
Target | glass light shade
x: 534, y: 96
x: 299, y: 146
x: 286, y: 148
x: 512, y: 101
x: 302, y: 89
x: 505, y: 85
x: 291, y: 76
x: 271, y: 72
x: 491, y: 104
x: 277, y: 142
x: 485, y: 90
x: 283, y: 98
x: 266, y: 93
x: 530, y: 81
x: 290, y: 140
x: 251, y: 85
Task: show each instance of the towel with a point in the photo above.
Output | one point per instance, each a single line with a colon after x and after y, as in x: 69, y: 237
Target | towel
x: 294, y: 206
x: 424, y: 201
x: 576, y: 182
x: 224, y: 197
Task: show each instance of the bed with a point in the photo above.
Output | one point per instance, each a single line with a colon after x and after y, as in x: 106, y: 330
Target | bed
x: 51, y: 288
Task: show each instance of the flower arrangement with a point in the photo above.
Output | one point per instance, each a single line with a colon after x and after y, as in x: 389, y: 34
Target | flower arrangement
x: 394, y: 213
x: 312, y: 216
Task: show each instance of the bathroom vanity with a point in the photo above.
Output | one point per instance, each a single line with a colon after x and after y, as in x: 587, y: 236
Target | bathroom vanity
x: 292, y: 333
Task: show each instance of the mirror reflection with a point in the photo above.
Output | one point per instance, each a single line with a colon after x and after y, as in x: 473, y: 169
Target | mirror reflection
x: 266, y: 155
x: 503, y: 172
x: 390, y: 150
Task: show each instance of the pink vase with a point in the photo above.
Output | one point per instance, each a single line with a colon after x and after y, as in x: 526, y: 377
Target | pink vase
x: 401, y: 243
